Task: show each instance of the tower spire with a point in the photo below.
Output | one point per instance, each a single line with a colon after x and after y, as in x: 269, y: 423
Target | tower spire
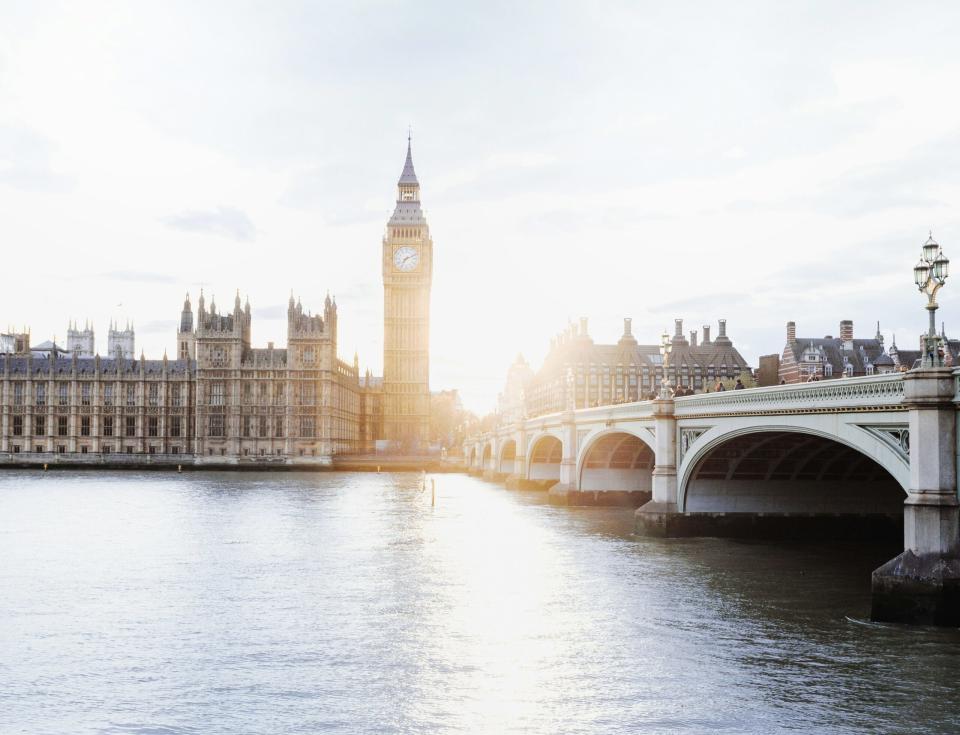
x: 409, y: 176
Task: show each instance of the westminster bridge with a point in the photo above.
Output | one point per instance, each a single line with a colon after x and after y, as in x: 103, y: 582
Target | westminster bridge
x: 840, y: 457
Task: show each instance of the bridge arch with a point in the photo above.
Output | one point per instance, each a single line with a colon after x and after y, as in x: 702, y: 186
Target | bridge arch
x: 472, y: 457
x: 781, y: 468
x: 507, y: 457
x: 486, y: 461
x: 616, y: 460
x: 543, y: 458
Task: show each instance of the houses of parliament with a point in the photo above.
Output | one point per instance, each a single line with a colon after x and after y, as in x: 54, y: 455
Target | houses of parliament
x: 222, y: 400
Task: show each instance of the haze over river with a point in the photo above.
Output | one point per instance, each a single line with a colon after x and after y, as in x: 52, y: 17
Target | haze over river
x: 334, y: 602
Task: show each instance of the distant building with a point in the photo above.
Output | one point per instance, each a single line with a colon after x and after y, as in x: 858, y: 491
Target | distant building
x: 371, y: 413
x: 227, y: 401
x: 14, y: 343
x: 823, y: 358
x: 903, y: 359
x: 510, y: 403
x: 121, y: 342
x: 909, y: 359
x: 81, y: 341
x: 627, y: 371
x: 224, y: 400
x: 49, y: 349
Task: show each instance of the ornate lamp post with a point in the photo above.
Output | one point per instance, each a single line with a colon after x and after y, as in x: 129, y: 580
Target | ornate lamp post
x: 666, y: 344
x: 929, y: 275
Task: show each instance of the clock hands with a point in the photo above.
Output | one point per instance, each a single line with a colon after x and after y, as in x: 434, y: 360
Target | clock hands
x: 406, y: 258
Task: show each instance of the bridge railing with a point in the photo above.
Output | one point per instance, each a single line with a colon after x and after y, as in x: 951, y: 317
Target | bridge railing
x: 868, y: 392
x: 615, y: 411
x: 854, y: 394
x: 610, y: 412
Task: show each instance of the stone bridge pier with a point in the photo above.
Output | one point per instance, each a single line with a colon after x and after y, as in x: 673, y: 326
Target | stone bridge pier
x: 922, y: 585
x: 517, y: 445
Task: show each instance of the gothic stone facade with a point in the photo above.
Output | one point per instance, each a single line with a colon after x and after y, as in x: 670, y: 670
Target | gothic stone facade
x: 222, y: 401
x: 407, y: 261
x: 96, y: 406
x: 298, y: 402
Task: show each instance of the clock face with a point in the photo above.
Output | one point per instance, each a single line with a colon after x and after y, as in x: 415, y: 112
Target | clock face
x: 406, y: 258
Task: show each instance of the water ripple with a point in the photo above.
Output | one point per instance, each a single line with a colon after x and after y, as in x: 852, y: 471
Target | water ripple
x: 344, y: 603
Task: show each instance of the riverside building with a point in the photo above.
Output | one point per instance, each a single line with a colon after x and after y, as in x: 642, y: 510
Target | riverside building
x: 806, y: 359
x: 223, y: 401
x: 617, y: 373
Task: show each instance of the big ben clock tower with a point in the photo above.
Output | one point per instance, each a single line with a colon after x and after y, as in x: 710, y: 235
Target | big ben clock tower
x: 407, y: 271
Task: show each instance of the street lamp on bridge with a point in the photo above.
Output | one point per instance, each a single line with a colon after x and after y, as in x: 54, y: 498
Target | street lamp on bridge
x: 929, y: 275
x: 666, y: 344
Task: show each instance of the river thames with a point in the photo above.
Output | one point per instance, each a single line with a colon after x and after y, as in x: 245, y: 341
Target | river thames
x: 335, y: 602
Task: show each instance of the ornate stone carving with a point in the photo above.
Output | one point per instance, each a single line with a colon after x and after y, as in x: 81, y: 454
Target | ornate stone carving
x: 897, y: 437
x: 687, y: 438
x: 581, y: 435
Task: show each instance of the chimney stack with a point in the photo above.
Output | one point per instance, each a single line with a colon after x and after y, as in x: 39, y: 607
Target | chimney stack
x: 722, y: 329
x: 706, y: 334
x: 583, y: 326
x: 846, y: 334
x: 693, y: 337
x: 626, y: 326
x: 678, y: 328
x: 791, y: 332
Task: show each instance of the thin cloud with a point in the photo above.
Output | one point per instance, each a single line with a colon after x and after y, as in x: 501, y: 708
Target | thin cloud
x: 224, y: 221
x: 140, y: 276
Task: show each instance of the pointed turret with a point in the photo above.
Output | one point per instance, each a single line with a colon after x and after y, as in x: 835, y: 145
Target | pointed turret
x: 408, y: 193
x: 408, y: 177
x: 186, y: 316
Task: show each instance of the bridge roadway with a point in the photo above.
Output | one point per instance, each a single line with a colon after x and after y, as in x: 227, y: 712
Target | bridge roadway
x: 850, y: 457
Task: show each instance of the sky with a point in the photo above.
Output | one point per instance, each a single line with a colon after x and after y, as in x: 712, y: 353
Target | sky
x: 758, y: 162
